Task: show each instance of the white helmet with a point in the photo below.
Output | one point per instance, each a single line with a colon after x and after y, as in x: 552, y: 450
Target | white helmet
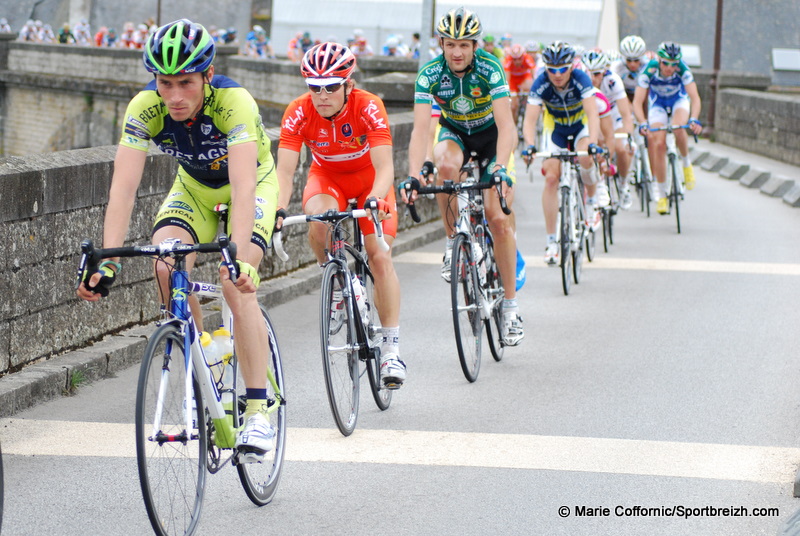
x: 595, y: 61
x: 632, y: 47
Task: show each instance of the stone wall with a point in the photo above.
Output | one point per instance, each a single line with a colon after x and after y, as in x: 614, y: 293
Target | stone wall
x: 761, y: 123
x: 50, y: 202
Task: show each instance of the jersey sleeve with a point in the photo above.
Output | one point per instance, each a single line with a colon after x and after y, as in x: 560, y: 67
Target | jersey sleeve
x: 537, y: 89
x: 650, y: 70
x: 143, y: 119
x: 292, y: 125
x: 375, y: 118
x: 426, y: 77
x: 583, y: 83
x: 686, y: 74
x: 616, y: 89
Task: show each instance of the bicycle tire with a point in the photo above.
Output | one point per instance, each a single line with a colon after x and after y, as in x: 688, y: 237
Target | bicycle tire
x: 465, y: 298
x: 339, y: 353
x: 616, y: 200
x: 578, y: 234
x: 371, y: 355
x: 566, y: 240
x: 676, y: 192
x: 172, y: 473
x: 260, y: 480
x: 496, y: 292
x: 606, y: 229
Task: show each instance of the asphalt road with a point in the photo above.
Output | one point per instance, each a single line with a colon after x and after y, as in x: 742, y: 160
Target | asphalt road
x: 659, y: 398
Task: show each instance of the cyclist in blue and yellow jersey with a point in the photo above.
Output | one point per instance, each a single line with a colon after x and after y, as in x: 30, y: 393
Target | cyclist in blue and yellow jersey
x: 212, y: 127
x: 469, y: 85
x: 567, y: 96
x: 672, y: 95
x: 632, y: 50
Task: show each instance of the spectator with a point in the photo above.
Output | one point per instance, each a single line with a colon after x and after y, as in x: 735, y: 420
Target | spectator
x: 65, y: 35
x: 260, y: 46
x: 100, y: 35
x: 126, y: 38
x: 305, y: 44
x: 229, y: 37
x: 293, y: 49
x: 361, y: 48
x: 140, y: 36
x: 46, y: 34
x: 4, y: 26
x: 110, y: 39
x: 28, y: 32
x: 413, y: 51
x: 390, y: 48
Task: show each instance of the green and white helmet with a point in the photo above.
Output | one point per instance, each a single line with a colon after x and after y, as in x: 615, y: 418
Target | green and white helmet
x: 179, y: 47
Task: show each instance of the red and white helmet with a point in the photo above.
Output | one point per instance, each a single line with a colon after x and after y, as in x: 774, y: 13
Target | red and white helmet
x: 517, y: 51
x: 327, y: 63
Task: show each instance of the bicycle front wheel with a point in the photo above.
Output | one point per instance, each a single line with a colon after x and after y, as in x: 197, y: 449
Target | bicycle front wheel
x: 579, y: 230
x: 172, y: 459
x: 675, y: 195
x: 567, y: 218
x: 465, y: 294
x: 339, y: 352
x: 374, y: 336
x: 260, y: 480
x: 496, y: 293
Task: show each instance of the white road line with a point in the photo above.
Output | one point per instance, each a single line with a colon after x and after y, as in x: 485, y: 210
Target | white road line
x: 454, y: 449
x: 612, y: 263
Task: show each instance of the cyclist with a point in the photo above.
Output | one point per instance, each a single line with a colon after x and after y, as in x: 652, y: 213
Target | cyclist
x: 672, y: 95
x: 610, y: 85
x: 212, y: 127
x: 633, y: 49
x: 519, y: 67
x: 491, y: 48
x: 567, y: 95
x: 347, y: 131
x: 469, y: 85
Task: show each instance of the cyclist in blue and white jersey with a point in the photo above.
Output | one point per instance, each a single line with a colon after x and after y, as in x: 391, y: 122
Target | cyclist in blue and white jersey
x: 469, y: 85
x: 611, y: 86
x: 673, y: 97
x: 567, y: 95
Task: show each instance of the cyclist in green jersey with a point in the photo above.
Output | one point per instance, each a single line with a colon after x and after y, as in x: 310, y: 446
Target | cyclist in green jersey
x: 212, y: 127
x: 469, y: 85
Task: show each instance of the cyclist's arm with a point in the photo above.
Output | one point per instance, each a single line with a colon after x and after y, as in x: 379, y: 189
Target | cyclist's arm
x: 418, y: 146
x: 506, y: 130
x: 607, y: 129
x: 625, y: 111
x: 128, y: 169
x: 287, y: 164
x: 590, y: 108
x: 383, y: 163
x: 242, y: 164
x: 532, y: 112
x: 694, y: 100
x: 638, y: 104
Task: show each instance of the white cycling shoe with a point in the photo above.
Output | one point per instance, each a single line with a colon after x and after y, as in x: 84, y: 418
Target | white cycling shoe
x: 256, y: 439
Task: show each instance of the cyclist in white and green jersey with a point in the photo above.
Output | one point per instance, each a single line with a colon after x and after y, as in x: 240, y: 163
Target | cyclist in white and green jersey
x: 469, y: 85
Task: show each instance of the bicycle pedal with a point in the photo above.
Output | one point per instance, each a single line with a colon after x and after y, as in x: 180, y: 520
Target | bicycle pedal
x: 248, y: 455
x: 392, y: 386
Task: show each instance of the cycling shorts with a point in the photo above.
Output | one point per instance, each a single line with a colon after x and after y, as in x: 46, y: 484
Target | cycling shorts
x: 353, y: 185
x: 660, y: 114
x: 556, y: 138
x: 483, y: 143
x: 190, y: 206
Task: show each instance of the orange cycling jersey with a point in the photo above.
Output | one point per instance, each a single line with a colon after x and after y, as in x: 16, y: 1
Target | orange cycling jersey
x: 340, y: 145
x: 521, y: 67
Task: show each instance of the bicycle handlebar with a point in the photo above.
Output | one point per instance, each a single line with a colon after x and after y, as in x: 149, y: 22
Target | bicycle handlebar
x: 670, y: 128
x: 91, y: 256
x: 450, y: 187
x: 328, y: 216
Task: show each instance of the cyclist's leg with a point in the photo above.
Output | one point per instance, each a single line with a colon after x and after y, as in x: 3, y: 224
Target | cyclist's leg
x: 316, y: 202
x: 551, y: 169
x: 657, y: 143
x: 680, y: 116
x: 387, y: 285
x: 448, y: 156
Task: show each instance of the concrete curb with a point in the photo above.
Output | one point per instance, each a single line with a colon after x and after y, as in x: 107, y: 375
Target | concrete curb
x: 755, y: 178
x: 792, y: 197
x: 61, y: 375
x: 734, y: 170
x: 777, y: 186
x: 714, y: 163
x: 697, y: 156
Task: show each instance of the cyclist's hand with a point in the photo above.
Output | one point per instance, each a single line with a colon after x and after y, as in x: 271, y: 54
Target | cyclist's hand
x: 280, y: 214
x: 695, y: 126
x: 248, y: 279
x: 427, y: 171
x: 595, y: 149
x: 529, y: 154
x: 381, y: 205
x: 644, y: 128
x: 97, y: 286
x: 411, y: 184
x: 503, y: 176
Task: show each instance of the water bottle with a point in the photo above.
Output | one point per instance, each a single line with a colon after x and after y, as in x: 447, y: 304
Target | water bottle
x: 361, y: 299
x: 222, y: 338
x: 212, y: 355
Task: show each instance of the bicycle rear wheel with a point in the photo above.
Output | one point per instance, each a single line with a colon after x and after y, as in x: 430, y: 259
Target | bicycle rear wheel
x: 171, y: 459
x: 260, y: 480
x: 675, y: 194
x: 339, y: 354
x: 465, y: 294
x: 381, y: 395
x: 496, y: 293
x: 566, y: 226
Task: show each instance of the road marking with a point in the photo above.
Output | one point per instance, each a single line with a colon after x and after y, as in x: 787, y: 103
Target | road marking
x: 453, y: 449
x: 612, y: 263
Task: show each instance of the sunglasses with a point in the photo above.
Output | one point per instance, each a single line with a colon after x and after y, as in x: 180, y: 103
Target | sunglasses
x: 558, y: 70
x: 632, y: 59
x: 669, y: 63
x: 330, y: 88
x: 597, y: 73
